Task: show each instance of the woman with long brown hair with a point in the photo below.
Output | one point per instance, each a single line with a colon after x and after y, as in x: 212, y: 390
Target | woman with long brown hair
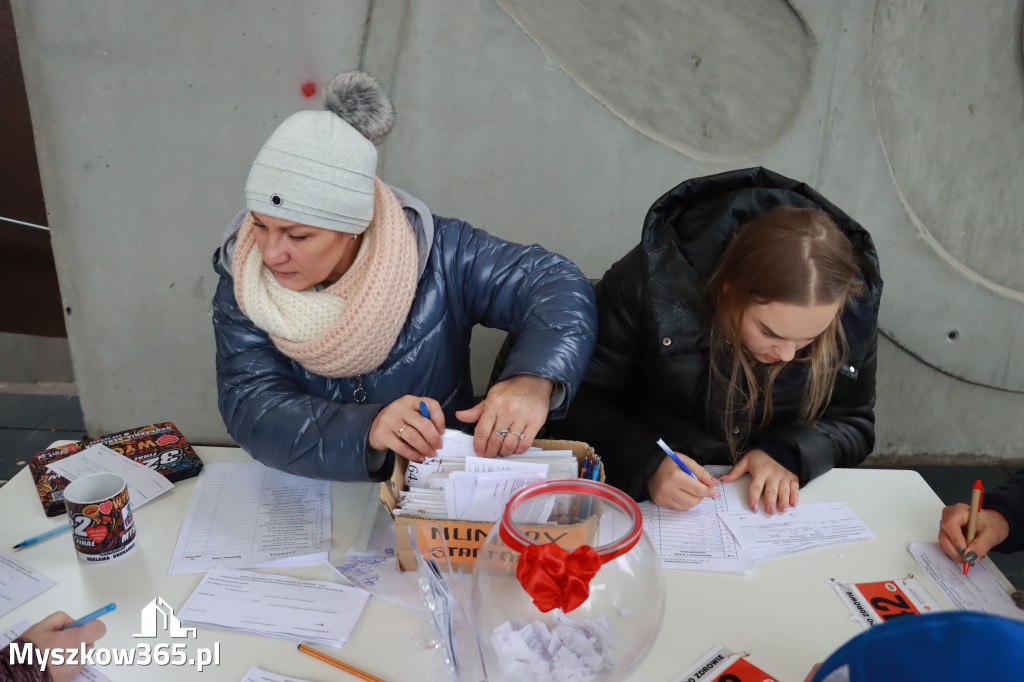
x: 742, y: 330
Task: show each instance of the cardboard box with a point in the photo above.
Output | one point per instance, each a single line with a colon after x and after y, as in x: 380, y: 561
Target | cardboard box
x: 464, y: 538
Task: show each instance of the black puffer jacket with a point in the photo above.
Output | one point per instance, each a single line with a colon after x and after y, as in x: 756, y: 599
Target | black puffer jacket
x: 1008, y: 500
x: 649, y: 375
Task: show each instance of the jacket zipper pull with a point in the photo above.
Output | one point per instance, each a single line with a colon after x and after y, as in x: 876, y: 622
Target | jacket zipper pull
x: 359, y: 395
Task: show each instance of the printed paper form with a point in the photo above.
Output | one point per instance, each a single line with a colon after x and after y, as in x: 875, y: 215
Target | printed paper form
x: 143, y: 483
x: 245, y: 513
x: 979, y: 590
x: 802, y: 527
x: 313, y: 611
x: 19, y: 583
x: 697, y: 539
x: 88, y: 674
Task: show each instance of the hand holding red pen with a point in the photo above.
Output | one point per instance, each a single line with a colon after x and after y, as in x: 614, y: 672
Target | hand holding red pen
x: 990, y: 530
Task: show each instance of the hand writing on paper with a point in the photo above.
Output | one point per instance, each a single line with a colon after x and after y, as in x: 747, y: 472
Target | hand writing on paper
x: 779, y: 486
x: 672, y: 487
x: 992, y: 529
x: 47, y: 634
x: 508, y: 419
x: 401, y: 428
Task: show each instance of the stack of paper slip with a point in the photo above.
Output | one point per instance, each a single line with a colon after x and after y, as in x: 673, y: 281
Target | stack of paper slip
x: 803, y: 527
x: 311, y: 611
x: 459, y: 485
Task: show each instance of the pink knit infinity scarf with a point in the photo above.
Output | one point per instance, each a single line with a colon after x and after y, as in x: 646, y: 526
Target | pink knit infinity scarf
x: 350, y: 327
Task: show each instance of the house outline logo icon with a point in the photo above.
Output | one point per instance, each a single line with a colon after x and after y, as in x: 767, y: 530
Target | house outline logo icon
x: 150, y: 616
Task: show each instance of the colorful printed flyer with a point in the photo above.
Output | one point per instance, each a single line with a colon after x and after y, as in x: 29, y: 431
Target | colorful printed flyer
x: 876, y: 603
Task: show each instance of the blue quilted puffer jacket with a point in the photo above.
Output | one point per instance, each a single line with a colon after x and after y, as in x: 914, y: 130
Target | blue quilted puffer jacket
x: 316, y: 426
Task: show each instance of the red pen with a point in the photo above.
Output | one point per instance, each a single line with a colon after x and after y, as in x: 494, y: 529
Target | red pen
x: 972, y: 520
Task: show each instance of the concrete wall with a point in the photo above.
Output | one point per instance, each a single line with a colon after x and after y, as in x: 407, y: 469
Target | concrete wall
x: 550, y: 122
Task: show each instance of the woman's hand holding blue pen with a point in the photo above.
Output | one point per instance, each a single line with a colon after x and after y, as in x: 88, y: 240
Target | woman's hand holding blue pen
x: 401, y: 428
x: 777, y: 485
x: 47, y: 634
x: 672, y: 487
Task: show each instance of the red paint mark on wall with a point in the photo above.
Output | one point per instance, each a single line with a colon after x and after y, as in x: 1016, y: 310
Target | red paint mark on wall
x: 309, y: 89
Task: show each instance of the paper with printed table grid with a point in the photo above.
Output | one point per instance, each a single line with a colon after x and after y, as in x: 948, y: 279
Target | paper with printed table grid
x: 245, y: 514
x: 697, y: 539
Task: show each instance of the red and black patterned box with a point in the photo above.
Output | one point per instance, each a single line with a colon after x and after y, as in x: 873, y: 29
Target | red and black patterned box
x: 161, y: 447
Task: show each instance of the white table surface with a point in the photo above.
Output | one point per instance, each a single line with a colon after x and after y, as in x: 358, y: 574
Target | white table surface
x: 784, y: 611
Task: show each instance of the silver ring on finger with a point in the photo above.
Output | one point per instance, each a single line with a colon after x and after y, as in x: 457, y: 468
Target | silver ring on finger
x: 504, y: 432
x: 516, y: 433
x: 399, y: 431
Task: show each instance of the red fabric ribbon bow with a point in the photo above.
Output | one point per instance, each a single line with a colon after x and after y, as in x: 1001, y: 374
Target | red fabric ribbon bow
x: 555, y: 578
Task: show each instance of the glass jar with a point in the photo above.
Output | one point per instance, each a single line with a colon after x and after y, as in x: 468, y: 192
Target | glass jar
x: 567, y: 586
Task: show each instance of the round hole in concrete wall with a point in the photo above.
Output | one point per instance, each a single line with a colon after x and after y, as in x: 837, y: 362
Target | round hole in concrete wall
x: 953, y: 335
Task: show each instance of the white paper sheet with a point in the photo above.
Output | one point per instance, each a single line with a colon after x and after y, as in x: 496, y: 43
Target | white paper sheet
x: 482, y: 497
x: 979, y: 590
x: 458, y: 446
x: 260, y: 675
x: 312, y: 611
x: 459, y: 485
x: 802, y: 527
x: 19, y: 583
x: 88, y: 674
x: 243, y: 514
x: 697, y: 539
x: 143, y: 483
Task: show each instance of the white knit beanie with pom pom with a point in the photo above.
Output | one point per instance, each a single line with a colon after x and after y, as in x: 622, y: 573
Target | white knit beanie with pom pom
x: 318, y: 167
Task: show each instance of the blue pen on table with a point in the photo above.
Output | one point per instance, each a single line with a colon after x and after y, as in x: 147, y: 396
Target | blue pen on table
x: 91, y: 616
x: 42, y: 536
x: 675, y: 458
x: 595, y: 470
x: 423, y: 410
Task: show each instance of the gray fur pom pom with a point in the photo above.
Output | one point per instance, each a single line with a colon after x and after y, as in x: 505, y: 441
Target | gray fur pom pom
x: 360, y: 100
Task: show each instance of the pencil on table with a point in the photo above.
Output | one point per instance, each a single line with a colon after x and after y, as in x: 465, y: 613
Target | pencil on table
x: 338, y: 664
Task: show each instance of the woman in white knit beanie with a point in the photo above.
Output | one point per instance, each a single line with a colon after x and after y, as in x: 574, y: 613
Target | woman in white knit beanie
x: 344, y: 311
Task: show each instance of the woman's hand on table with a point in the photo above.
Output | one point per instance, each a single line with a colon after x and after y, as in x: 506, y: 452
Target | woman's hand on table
x: 672, y: 487
x: 47, y: 634
x: 777, y: 485
x: 992, y: 529
x: 508, y: 419
x: 401, y: 428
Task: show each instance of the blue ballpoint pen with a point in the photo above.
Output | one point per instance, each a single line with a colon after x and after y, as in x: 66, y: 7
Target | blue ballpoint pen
x: 423, y: 410
x: 42, y: 536
x: 91, y: 616
x: 675, y: 458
